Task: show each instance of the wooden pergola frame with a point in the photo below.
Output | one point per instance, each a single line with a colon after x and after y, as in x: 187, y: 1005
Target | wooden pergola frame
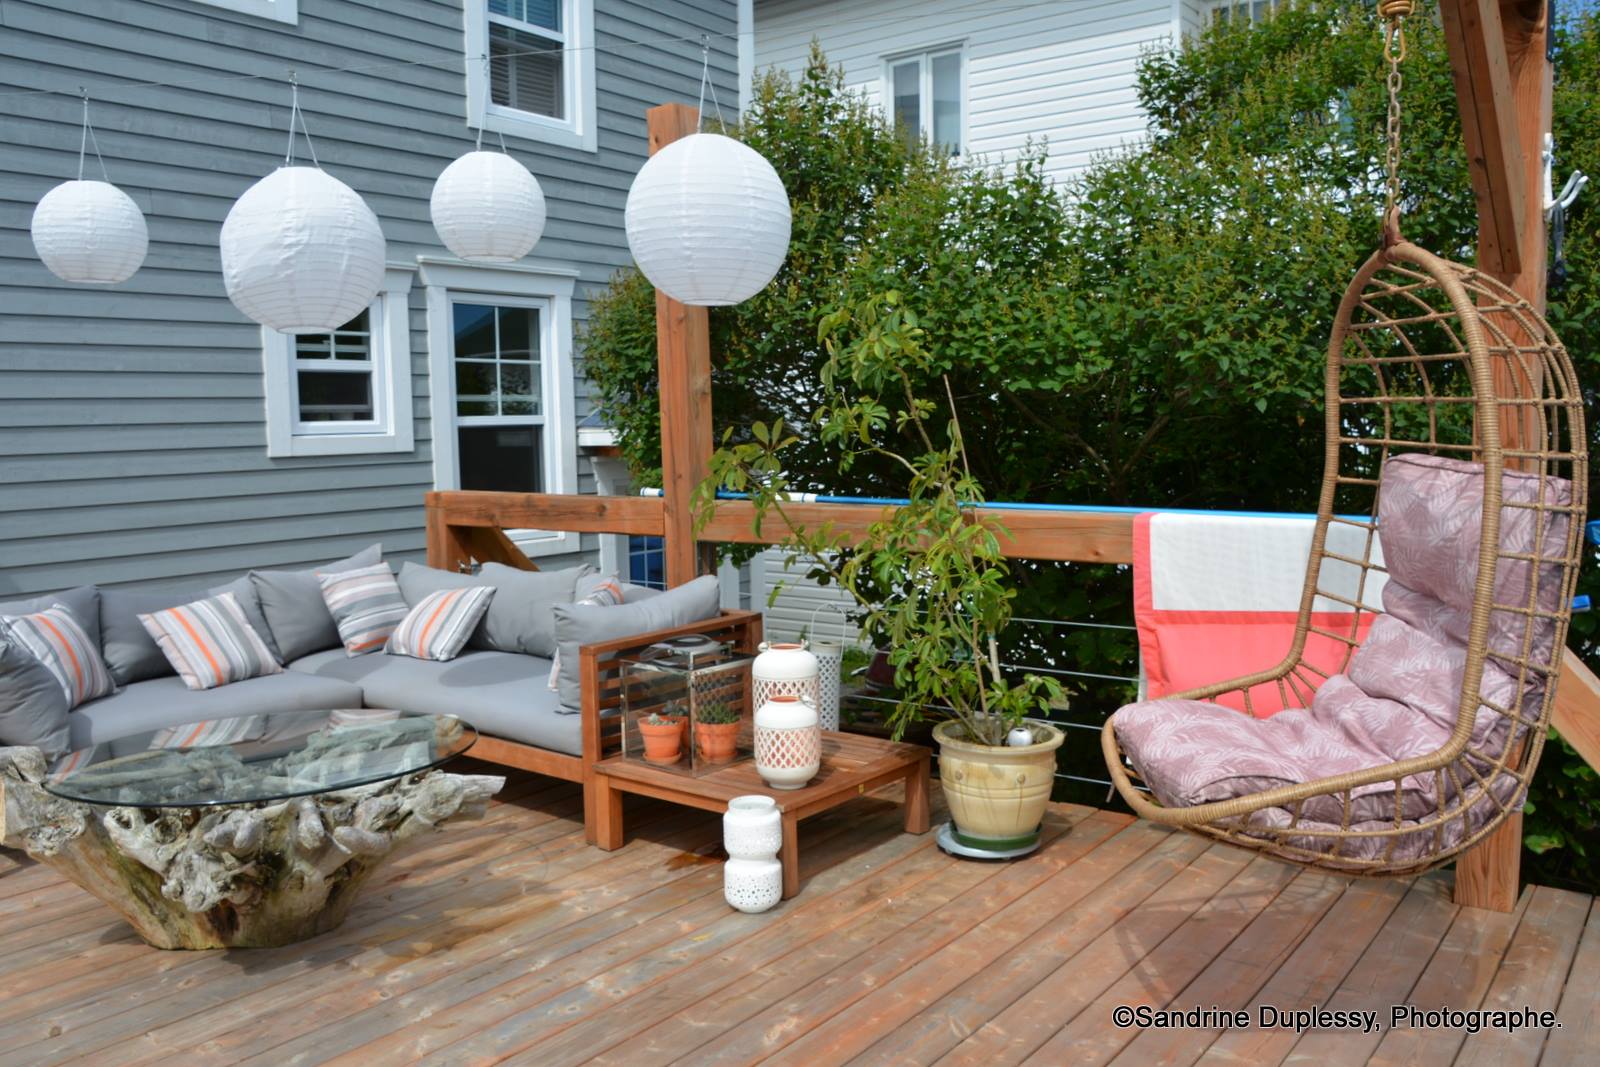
x: 1503, y: 79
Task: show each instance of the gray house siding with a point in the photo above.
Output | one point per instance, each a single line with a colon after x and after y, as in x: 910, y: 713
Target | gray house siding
x: 132, y: 426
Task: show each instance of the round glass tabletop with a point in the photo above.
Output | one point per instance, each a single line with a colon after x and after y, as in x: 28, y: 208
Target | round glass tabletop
x: 257, y: 758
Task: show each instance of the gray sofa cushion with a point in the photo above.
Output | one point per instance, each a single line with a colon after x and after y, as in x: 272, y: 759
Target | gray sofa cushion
x: 158, y: 702
x: 501, y: 693
x: 33, y: 707
x: 292, y: 603
x: 130, y: 651
x: 584, y: 624
x: 83, y: 603
x: 591, y: 581
x: 519, y: 618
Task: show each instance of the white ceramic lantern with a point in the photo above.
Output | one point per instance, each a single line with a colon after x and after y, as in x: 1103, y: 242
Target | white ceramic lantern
x: 301, y: 252
x: 708, y: 220
x: 788, y: 742
x: 785, y: 668
x: 91, y: 233
x: 752, y: 832
x: 487, y: 207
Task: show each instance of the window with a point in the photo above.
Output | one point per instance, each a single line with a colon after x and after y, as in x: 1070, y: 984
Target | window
x: 927, y: 97
x: 538, y: 78
x: 1246, y: 10
x: 499, y: 421
x: 500, y: 362
x: 277, y: 10
x: 345, y: 392
x: 647, y: 561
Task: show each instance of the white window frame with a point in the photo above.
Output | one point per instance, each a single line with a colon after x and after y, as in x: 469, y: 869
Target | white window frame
x: 1210, y: 9
x: 528, y: 284
x: 390, y: 429
x: 277, y: 10
x: 577, y: 130
x: 926, y: 56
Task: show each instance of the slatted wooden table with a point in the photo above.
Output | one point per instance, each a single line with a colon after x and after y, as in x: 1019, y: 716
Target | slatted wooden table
x: 851, y: 766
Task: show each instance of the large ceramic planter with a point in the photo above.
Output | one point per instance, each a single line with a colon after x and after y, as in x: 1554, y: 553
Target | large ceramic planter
x: 997, y: 794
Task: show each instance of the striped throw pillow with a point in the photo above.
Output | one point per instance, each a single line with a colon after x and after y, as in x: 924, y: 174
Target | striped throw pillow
x: 438, y: 627
x: 604, y: 595
x: 55, y: 639
x: 210, y: 642
x: 366, y: 605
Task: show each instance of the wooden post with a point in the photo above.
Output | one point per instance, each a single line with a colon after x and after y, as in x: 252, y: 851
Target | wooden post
x: 683, y: 360
x: 1503, y: 82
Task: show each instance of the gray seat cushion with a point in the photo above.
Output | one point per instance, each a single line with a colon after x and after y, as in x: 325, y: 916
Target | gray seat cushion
x: 503, y: 694
x: 82, y: 603
x: 587, y: 624
x: 159, y: 702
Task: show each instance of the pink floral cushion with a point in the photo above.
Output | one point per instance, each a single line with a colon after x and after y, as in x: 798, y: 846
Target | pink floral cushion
x: 1399, y: 696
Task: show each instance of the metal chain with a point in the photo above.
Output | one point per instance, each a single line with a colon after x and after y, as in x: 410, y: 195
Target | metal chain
x: 1394, y: 50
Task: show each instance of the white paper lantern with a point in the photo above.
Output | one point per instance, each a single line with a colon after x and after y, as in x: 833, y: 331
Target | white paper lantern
x: 488, y: 208
x: 301, y: 252
x: 708, y: 220
x: 90, y: 232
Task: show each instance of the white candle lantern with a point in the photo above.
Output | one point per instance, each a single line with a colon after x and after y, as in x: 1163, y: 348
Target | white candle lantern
x: 752, y: 832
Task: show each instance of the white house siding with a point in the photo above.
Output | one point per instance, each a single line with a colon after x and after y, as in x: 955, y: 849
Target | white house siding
x: 1062, y: 72
x: 791, y: 616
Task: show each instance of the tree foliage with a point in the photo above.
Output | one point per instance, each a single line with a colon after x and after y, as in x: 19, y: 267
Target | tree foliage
x: 1150, y: 331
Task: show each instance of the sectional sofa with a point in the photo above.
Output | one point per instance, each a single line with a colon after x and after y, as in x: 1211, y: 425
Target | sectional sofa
x: 501, y: 683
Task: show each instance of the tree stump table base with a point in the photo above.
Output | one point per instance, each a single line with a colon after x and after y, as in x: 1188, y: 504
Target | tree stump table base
x: 254, y: 875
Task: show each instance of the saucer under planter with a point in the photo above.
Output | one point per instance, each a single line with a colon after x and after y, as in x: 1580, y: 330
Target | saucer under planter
x: 997, y: 794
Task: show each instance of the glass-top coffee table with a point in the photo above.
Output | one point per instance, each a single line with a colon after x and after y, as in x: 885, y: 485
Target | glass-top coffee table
x: 240, y: 832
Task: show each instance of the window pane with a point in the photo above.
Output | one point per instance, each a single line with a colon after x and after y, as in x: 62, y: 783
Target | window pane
x: 353, y: 340
x: 647, y: 562
x: 503, y: 458
x: 525, y: 71
x: 546, y: 13
x: 475, y: 389
x: 335, y: 396
x: 519, y: 334
x: 907, y: 90
x: 474, y: 327
x: 947, y: 100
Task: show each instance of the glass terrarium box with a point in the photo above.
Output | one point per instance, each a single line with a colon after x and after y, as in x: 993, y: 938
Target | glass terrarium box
x: 686, y: 706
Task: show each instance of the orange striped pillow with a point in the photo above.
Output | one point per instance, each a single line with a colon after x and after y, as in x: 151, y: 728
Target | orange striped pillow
x: 54, y: 638
x: 438, y: 627
x: 210, y: 642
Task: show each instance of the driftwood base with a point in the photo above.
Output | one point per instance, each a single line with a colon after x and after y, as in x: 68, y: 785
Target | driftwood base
x: 245, y: 876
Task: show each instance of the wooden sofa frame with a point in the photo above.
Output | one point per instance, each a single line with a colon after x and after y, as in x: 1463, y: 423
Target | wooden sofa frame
x: 600, y: 672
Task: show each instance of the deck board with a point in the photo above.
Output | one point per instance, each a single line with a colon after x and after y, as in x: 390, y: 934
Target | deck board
x: 511, y: 940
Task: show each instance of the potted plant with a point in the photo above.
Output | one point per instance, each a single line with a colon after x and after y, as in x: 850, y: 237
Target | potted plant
x: 930, y: 578
x: 716, y: 732
x: 663, y: 737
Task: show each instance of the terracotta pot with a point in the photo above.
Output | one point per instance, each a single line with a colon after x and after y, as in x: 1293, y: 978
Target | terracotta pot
x: 662, y: 741
x: 718, y: 741
x: 997, y: 794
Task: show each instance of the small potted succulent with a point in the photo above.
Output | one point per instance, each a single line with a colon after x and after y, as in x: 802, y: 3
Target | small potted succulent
x: 716, y: 732
x: 663, y: 736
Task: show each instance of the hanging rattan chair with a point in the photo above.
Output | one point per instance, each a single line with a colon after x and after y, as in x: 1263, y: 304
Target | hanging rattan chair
x: 1454, y: 419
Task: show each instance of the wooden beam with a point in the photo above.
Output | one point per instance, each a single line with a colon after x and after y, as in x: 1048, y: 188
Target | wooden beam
x: 683, y: 362
x: 1490, y: 127
x: 489, y: 544
x: 1508, y: 91
x: 1577, y: 711
x: 1061, y: 536
x: 550, y: 511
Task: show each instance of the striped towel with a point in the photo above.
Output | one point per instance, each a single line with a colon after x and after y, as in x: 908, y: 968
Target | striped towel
x: 1216, y: 597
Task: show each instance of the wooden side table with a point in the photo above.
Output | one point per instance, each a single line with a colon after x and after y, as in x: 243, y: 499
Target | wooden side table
x: 851, y: 766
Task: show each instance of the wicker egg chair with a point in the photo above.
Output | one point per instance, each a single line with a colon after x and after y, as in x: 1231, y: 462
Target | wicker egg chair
x: 1427, y: 358
x: 1431, y: 357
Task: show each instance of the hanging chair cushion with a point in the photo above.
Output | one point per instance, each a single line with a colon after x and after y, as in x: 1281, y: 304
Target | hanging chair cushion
x: 1398, y: 697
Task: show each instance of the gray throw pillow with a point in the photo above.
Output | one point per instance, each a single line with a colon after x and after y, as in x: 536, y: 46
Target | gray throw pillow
x: 292, y: 603
x: 33, y: 707
x: 631, y: 594
x: 130, y: 651
x: 519, y: 617
x: 82, y: 603
x: 584, y: 624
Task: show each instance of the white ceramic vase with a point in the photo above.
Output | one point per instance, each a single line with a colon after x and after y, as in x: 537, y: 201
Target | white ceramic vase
x: 752, y: 832
x: 785, y: 668
x: 788, y: 742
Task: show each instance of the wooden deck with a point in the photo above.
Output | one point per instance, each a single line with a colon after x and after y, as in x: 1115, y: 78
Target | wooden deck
x: 510, y: 940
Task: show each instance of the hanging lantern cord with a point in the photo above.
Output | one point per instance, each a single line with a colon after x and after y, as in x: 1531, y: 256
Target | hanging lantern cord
x: 88, y: 139
x: 483, y: 115
x: 295, y: 115
x: 705, y: 83
x: 1394, y: 12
